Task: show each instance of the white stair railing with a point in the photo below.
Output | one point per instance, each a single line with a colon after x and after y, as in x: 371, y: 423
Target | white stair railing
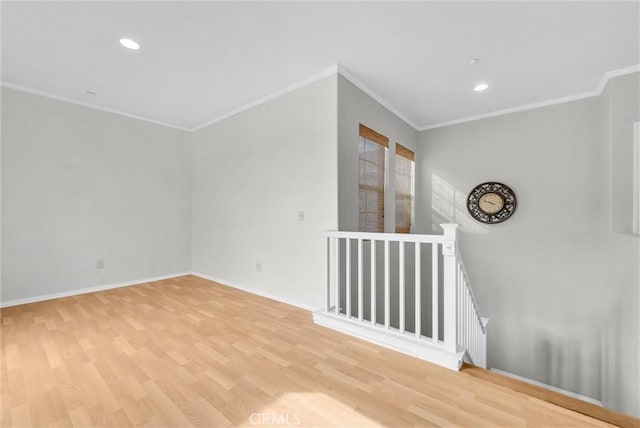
x: 472, y: 328
x: 455, y: 326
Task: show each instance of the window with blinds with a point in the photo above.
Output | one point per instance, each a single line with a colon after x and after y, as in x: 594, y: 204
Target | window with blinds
x: 405, y: 188
x: 373, y: 149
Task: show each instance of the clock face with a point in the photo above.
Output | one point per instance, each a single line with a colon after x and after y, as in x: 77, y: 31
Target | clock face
x: 491, y: 202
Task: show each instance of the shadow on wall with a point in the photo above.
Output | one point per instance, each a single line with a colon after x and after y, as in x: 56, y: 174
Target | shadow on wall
x: 620, y: 358
x: 449, y: 205
x: 567, y: 362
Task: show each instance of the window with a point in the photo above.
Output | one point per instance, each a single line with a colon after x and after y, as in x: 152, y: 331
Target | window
x: 373, y: 150
x: 405, y: 188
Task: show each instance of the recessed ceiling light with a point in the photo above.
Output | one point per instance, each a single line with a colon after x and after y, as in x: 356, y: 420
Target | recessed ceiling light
x: 480, y: 87
x: 474, y: 61
x: 130, y: 44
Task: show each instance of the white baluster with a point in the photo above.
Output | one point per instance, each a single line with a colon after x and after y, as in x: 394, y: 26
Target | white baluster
x: 459, y: 306
x: 465, y: 302
x: 467, y: 313
x: 360, y: 279
x: 435, y: 303
x: 472, y: 343
x: 471, y: 324
x: 328, y: 302
x: 485, y: 351
x: 401, y: 285
x: 477, y: 342
x: 373, y: 282
x: 348, y: 264
x: 336, y: 243
x: 418, y: 296
x: 463, y: 309
x: 472, y: 315
x: 387, y: 285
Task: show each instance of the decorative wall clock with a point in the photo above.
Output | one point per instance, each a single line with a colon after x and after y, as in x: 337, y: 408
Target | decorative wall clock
x: 491, y: 202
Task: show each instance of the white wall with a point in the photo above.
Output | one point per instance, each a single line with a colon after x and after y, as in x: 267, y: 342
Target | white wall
x: 619, y: 250
x: 535, y: 275
x: 252, y: 174
x: 80, y: 185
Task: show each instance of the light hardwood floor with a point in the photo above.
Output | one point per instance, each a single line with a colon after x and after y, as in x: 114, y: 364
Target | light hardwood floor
x: 189, y: 352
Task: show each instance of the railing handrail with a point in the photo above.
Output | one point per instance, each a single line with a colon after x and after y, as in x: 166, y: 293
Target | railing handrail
x: 467, y: 283
x: 395, y: 237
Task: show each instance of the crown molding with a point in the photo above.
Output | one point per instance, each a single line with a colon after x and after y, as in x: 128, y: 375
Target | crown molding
x: 335, y: 69
x: 596, y: 92
x: 88, y: 105
x: 615, y: 73
x: 330, y: 71
x: 338, y: 69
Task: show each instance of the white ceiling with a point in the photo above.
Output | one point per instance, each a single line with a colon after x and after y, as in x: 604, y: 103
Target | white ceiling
x: 202, y: 60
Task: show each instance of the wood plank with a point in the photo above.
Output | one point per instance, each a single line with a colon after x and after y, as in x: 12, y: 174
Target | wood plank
x: 574, y: 404
x: 190, y: 352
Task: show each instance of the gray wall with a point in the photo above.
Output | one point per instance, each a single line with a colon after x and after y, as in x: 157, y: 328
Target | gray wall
x: 560, y: 287
x: 79, y: 185
x: 535, y: 276
x: 356, y: 107
x: 252, y: 174
x: 618, y: 250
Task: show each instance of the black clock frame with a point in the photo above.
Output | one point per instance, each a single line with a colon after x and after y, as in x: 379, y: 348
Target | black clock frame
x: 505, y: 192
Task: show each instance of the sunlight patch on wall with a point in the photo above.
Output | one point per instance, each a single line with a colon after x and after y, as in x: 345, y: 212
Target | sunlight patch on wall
x: 449, y: 205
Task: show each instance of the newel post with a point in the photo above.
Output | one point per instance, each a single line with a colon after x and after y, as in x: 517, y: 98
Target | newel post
x: 450, y: 286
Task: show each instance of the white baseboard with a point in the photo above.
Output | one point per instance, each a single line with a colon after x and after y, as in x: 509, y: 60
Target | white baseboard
x: 76, y: 292
x: 79, y: 291
x: 549, y: 387
x: 406, y: 344
x: 255, y: 291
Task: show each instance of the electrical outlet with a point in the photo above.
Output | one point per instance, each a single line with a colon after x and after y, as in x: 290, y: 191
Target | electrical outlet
x: 258, y: 267
x: 99, y: 264
x: 301, y: 215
